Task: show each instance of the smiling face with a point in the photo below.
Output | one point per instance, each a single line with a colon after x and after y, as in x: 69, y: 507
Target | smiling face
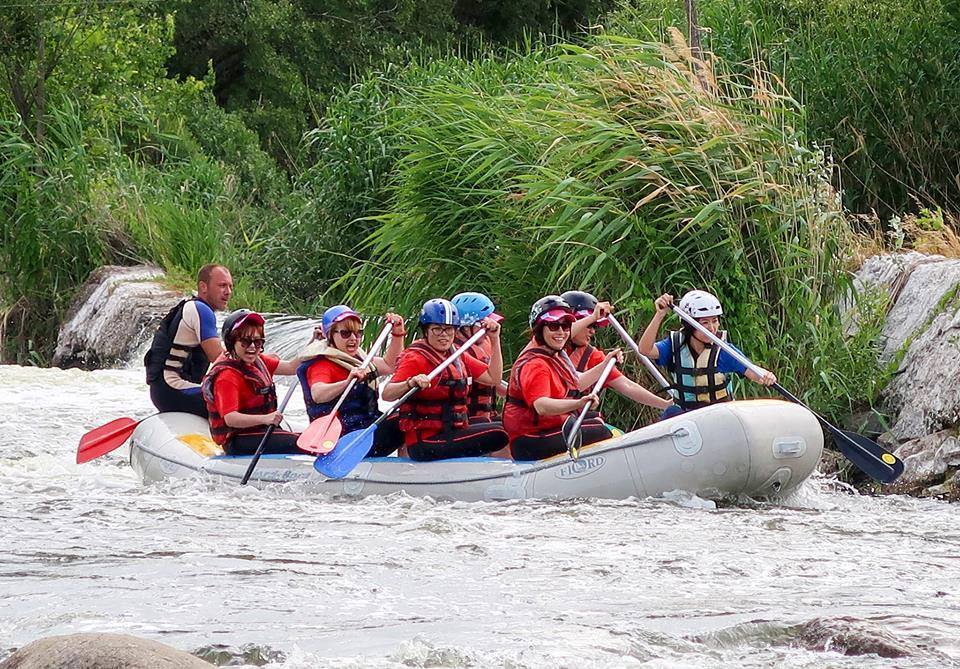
x: 345, y: 335
x: 555, y: 335
x: 248, y: 343
x: 711, y: 323
x: 440, y: 337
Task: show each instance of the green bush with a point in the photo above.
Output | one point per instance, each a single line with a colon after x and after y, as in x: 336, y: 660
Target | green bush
x: 607, y: 167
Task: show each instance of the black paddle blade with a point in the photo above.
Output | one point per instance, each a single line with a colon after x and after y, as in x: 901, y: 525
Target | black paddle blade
x: 872, y: 459
x: 572, y: 436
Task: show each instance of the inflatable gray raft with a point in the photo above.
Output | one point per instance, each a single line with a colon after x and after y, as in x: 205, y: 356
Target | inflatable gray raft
x: 761, y: 448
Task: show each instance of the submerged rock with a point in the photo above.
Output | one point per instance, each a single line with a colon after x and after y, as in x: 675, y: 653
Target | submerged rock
x: 112, y: 316
x: 100, y: 651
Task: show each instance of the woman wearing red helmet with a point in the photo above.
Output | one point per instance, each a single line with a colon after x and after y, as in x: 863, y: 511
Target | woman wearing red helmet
x: 434, y: 420
x: 545, y: 389
x: 239, y: 391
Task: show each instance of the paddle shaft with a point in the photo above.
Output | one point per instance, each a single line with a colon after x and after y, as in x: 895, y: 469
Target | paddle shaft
x: 474, y: 338
x: 597, y: 387
x: 363, y: 364
x: 654, y: 372
x: 266, y: 435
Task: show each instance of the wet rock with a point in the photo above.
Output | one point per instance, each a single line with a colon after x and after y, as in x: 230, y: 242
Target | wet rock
x: 850, y: 636
x: 100, y: 651
x: 113, y: 315
x: 927, y: 459
x: 922, y: 337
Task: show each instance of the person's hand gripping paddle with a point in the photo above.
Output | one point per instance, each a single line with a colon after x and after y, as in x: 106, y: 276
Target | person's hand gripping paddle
x: 321, y: 435
x: 571, y: 426
x: 868, y: 456
x: 353, y: 447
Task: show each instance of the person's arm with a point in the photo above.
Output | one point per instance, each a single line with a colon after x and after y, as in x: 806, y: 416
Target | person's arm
x: 242, y: 421
x: 601, y: 311
x: 227, y: 399
x: 494, y: 374
x: 727, y: 364
x: 590, y: 377
x: 212, y: 348
x: 205, y: 326
x: 407, y: 376
x: 549, y: 406
x: 287, y: 367
x: 638, y: 393
x: 388, y: 363
x: 327, y: 391
x: 648, y: 340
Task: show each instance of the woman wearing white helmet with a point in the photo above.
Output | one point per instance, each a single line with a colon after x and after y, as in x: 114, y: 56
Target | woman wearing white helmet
x: 699, y: 369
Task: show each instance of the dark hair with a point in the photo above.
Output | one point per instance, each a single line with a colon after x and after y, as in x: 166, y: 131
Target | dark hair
x: 538, y: 334
x: 203, y: 276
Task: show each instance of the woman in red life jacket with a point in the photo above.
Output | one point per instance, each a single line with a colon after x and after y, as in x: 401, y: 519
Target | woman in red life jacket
x: 324, y: 378
x: 473, y: 308
x: 434, y: 420
x: 239, y: 391
x: 591, y: 314
x: 545, y: 389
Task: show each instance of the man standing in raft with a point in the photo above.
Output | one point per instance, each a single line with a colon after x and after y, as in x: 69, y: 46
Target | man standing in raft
x: 185, y: 344
x: 434, y: 420
x: 698, y: 368
x: 591, y: 314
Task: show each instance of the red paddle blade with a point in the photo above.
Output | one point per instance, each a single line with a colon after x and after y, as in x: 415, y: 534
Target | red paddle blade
x: 321, y: 435
x: 104, y: 439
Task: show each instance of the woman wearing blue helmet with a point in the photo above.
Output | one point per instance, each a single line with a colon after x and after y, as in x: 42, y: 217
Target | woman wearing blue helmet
x: 323, y: 378
x: 434, y: 421
x: 473, y: 308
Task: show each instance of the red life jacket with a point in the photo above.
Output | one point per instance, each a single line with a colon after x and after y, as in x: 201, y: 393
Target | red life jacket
x: 258, y: 397
x: 482, y: 400
x: 580, y: 357
x: 519, y: 418
x: 442, y: 406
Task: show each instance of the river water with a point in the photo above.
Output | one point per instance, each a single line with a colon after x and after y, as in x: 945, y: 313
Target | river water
x: 288, y: 578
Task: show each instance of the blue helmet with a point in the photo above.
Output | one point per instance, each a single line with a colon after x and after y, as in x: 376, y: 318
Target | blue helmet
x: 439, y: 312
x: 335, y: 315
x: 473, y: 307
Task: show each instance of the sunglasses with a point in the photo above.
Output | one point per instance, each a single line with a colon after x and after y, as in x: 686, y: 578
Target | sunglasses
x: 553, y: 327
x: 441, y: 329
x: 247, y: 342
x: 347, y: 334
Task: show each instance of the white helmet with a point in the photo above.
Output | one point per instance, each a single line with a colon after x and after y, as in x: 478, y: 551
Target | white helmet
x: 701, y: 304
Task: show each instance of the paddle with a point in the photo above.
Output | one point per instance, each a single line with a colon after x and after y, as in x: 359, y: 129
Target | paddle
x: 353, y: 447
x: 266, y: 435
x: 654, y: 372
x: 101, y: 440
x: 868, y: 456
x: 571, y: 431
x: 322, y: 434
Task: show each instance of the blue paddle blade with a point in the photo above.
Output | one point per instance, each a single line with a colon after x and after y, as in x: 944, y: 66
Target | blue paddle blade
x: 350, y: 450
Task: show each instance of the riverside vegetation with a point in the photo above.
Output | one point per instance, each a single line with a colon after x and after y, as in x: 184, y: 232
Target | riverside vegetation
x: 387, y: 154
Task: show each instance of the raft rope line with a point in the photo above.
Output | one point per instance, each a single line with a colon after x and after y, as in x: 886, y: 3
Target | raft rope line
x: 678, y: 431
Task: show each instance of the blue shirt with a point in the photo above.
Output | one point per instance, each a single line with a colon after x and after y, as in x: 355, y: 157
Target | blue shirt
x: 726, y: 363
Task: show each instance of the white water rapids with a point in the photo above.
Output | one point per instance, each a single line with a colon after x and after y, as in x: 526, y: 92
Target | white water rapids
x: 283, y: 578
